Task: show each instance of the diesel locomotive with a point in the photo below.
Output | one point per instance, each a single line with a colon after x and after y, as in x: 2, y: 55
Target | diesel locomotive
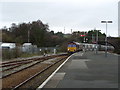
x: 74, y: 47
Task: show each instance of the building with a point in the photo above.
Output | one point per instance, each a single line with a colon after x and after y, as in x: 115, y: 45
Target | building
x: 8, y: 45
x: 27, y: 47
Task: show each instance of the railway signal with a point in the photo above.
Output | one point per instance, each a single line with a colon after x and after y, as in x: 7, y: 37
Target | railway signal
x: 82, y: 35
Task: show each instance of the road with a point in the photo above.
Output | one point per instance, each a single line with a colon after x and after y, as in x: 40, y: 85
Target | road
x: 87, y: 70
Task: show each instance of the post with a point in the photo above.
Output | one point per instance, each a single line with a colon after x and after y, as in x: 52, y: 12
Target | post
x: 92, y: 38
x: 97, y: 37
x: 28, y: 36
x: 71, y: 31
x: 97, y: 42
x: 64, y: 30
x: 54, y: 50
x: 29, y: 32
x: 96, y: 46
x: 106, y: 42
x: 106, y: 36
x: 84, y: 36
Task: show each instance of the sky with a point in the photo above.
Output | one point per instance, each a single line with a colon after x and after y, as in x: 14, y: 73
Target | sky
x: 62, y: 15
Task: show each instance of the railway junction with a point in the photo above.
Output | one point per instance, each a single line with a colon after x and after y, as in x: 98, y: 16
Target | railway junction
x: 86, y: 70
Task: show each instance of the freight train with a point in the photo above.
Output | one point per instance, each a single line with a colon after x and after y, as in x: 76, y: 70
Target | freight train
x: 76, y: 47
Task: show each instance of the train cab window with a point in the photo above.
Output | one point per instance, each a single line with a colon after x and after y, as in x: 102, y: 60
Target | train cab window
x: 71, y: 45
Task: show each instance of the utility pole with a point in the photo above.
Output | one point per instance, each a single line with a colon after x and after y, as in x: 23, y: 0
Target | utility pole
x: 28, y: 36
x: 29, y: 28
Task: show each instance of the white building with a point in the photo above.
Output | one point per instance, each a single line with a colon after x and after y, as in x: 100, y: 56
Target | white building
x: 27, y: 44
x: 8, y: 45
x: 26, y: 47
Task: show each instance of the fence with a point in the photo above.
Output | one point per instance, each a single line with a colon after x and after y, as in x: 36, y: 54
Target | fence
x: 8, y: 53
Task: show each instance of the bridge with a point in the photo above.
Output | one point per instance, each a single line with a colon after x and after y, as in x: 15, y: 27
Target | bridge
x: 114, y: 41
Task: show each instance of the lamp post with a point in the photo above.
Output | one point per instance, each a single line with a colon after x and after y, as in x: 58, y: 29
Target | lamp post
x: 97, y: 37
x: 106, y: 36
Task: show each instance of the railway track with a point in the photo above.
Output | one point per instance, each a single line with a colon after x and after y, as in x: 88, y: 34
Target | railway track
x: 8, y: 63
x: 11, y: 67
x: 20, y: 78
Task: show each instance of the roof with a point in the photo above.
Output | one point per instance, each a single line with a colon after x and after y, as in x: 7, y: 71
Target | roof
x: 7, y: 44
x: 74, y: 43
x: 27, y: 44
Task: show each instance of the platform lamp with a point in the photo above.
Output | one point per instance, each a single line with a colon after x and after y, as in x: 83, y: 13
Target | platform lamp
x: 106, y: 36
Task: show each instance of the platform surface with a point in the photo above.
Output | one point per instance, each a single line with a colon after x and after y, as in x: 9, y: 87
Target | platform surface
x: 87, y: 70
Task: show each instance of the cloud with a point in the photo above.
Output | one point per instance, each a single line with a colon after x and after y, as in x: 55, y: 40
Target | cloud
x: 72, y: 14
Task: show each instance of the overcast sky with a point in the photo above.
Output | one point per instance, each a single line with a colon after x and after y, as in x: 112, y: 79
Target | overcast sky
x: 78, y: 15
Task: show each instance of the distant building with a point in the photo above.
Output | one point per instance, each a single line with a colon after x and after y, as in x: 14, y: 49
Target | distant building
x: 119, y: 18
x: 27, y: 44
x: 29, y: 48
x: 8, y: 45
x: 26, y: 47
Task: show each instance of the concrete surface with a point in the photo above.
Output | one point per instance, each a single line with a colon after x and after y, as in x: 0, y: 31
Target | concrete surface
x: 87, y: 70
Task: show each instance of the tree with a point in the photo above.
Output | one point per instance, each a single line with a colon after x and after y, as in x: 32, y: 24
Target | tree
x: 92, y: 34
x: 19, y: 33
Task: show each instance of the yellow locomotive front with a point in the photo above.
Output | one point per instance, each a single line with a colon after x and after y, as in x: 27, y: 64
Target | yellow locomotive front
x: 71, y: 48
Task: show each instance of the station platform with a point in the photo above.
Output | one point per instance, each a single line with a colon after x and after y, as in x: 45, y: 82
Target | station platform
x: 86, y: 70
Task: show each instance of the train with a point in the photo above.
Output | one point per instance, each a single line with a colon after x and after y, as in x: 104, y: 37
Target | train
x: 76, y: 47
